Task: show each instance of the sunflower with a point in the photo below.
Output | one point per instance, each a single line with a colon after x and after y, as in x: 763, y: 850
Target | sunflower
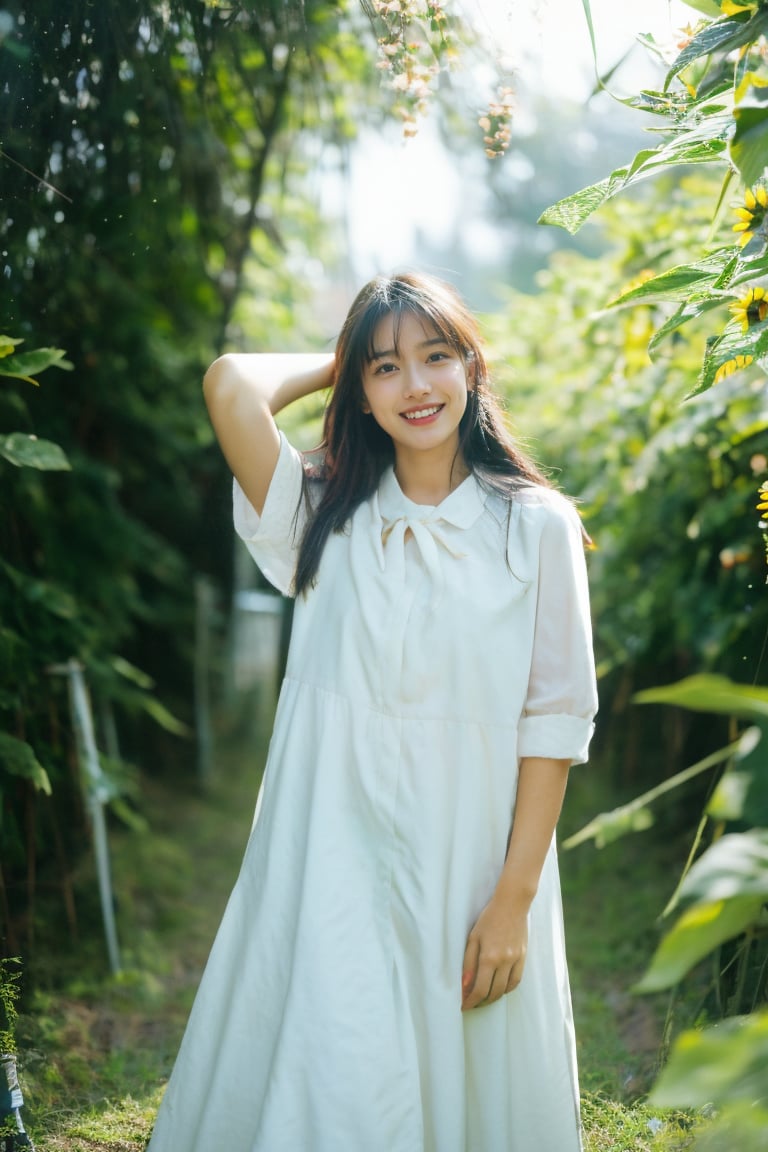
x: 752, y: 215
x: 732, y: 366
x: 750, y: 309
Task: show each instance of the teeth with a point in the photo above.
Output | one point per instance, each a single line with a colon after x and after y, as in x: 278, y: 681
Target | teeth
x: 421, y: 413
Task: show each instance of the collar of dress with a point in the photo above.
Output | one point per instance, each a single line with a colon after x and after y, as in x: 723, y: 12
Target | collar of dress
x: 460, y: 509
x: 400, y: 518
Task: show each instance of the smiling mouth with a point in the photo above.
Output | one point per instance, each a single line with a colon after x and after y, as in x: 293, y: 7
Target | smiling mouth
x: 420, y: 415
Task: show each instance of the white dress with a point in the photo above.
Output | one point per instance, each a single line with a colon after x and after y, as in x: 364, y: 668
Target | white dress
x: 421, y: 667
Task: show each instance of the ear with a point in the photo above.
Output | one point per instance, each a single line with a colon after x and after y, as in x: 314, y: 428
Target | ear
x: 365, y: 407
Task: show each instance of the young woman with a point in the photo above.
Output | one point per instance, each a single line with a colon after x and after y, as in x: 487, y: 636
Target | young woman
x: 390, y: 972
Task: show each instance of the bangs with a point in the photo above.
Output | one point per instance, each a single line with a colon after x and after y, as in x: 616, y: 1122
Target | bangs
x: 433, y: 303
x: 431, y: 319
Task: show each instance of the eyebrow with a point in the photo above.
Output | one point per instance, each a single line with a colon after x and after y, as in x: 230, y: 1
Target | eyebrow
x: 393, y: 351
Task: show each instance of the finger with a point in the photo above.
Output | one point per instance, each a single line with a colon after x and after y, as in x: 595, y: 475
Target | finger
x: 469, y: 967
x: 481, y: 987
x: 515, y: 976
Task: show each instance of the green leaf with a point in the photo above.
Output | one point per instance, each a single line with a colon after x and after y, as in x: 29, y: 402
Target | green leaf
x: 52, y: 597
x: 18, y: 758
x: 707, y: 693
x: 636, y: 816
x: 723, y: 36
x: 28, y: 452
x: 735, y: 865
x: 749, y: 145
x: 725, y: 1063
x: 607, y: 827
x: 729, y: 798
x: 749, y: 267
x: 689, y: 148
x: 130, y: 672
x: 675, y: 283
x: 163, y: 717
x: 733, y: 342
x: 708, y: 7
x: 591, y: 28
x: 745, y: 791
x: 684, y: 313
x: 698, y: 932
x: 24, y: 365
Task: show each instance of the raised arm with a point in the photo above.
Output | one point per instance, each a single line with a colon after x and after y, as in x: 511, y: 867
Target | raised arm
x: 244, y: 392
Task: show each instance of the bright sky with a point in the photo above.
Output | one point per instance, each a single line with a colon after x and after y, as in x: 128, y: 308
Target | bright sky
x: 548, y: 40
x: 398, y: 187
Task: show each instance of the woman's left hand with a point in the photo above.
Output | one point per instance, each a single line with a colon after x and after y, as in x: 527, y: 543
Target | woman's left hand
x: 494, y: 957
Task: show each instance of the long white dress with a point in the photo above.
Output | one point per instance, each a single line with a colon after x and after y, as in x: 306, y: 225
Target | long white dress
x: 421, y: 667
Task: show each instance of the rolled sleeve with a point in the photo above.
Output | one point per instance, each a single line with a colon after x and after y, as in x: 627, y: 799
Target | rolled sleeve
x: 273, y: 539
x: 561, y: 701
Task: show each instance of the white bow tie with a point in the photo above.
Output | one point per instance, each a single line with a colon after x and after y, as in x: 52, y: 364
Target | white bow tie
x: 427, y: 536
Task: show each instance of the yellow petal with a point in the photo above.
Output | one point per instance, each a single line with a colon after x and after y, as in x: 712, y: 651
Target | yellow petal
x: 762, y: 196
x: 749, y: 199
x: 745, y: 238
x: 745, y: 214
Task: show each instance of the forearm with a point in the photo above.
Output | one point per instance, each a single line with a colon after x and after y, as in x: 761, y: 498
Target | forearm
x: 243, y: 392
x: 273, y: 379
x: 540, y: 792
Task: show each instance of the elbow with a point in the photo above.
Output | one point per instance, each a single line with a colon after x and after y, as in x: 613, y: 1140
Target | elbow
x: 219, y: 378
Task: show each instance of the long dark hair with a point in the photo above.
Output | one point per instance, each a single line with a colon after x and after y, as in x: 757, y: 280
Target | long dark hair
x: 357, y: 451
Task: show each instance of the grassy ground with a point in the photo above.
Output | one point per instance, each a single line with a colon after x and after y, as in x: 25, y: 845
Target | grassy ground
x: 95, y: 1050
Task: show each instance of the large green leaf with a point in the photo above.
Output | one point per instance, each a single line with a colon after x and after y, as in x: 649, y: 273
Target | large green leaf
x: 707, y: 693
x: 724, y: 36
x: 699, y: 930
x: 18, y: 758
x: 675, y: 283
x: 735, y: 865
x: 28, y: 452
x: 689, y: 148
x: 749, y: 145
x: 727, y: 1062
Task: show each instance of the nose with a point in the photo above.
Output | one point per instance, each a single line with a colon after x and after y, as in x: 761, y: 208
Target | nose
x: 416, y: 382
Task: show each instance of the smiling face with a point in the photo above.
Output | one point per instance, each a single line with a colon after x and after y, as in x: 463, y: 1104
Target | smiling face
x: 415, y: 386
